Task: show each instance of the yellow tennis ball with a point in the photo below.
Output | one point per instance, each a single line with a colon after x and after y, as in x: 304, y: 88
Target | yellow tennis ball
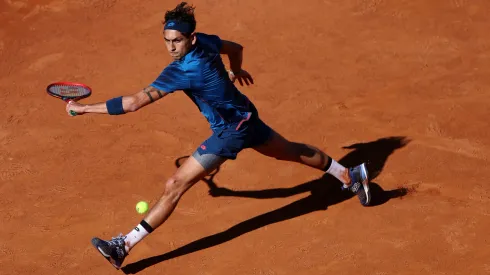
x: 142, y: 207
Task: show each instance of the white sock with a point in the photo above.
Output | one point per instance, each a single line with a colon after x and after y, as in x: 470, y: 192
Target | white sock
x: 135, y: 236
x: 338, y: 171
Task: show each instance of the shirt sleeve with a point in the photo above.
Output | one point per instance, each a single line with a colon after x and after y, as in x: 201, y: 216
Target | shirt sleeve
x: 211, y: 42
x: 171, y: 79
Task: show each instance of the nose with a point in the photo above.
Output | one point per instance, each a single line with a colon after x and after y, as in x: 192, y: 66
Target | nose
x: 172, y: 46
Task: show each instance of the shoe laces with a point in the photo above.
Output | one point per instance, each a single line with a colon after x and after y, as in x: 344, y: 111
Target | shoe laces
x: 118, y: 244
x: 355, y: 187
x: 117, y: 241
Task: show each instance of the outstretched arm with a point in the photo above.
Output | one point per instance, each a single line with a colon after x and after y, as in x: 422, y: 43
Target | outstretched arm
x: 124, y: 104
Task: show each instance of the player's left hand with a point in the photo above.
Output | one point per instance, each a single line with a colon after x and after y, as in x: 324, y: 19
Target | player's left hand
x: 75, y: 107
x: 242, y: 76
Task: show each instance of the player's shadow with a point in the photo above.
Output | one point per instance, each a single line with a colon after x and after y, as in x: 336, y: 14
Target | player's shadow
x: 325, y: 191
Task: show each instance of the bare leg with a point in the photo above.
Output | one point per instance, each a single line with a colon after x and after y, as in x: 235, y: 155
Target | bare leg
x: 280, y: 148
x: 184, y: 178
x: 116, y: 250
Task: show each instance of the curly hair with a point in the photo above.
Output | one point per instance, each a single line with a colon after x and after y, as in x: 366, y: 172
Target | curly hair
x: 183, y: 13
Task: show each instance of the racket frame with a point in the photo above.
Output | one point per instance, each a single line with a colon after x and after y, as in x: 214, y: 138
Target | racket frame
x: 68, y: 99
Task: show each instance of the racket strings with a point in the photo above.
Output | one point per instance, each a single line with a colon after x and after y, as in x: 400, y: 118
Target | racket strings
x: 69, y: 90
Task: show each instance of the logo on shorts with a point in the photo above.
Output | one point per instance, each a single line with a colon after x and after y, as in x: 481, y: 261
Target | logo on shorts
x: 203, y: 147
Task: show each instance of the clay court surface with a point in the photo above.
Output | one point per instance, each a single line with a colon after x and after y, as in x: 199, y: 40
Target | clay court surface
x: 401, y: 84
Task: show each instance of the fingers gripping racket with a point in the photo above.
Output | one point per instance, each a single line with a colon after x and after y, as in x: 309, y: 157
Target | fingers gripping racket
x: 69, y: 91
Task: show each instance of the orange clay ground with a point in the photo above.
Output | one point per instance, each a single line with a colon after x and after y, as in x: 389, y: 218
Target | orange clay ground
x: 401, y: 84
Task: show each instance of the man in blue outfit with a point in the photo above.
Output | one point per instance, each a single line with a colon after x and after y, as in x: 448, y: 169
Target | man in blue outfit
x: 199, y: 72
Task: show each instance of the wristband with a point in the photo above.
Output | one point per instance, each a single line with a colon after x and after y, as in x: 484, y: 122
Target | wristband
x: 115, y: 106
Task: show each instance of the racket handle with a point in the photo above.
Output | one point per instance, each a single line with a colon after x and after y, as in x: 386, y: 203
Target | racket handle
x: 72, y: 113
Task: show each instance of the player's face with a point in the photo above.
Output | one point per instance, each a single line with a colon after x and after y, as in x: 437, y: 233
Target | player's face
x: 177, y: 44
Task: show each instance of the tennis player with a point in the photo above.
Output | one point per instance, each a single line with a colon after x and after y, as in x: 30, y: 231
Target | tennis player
x: 198, y: 70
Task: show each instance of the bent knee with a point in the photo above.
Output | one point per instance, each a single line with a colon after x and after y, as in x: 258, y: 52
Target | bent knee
x: 175, y: 186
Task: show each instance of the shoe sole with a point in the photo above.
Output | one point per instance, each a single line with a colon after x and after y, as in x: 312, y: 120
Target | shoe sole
x: 94, y: 243
x: 365, y: 182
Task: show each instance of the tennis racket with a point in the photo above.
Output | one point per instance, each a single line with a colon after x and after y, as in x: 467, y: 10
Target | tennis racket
x: 69, y: 91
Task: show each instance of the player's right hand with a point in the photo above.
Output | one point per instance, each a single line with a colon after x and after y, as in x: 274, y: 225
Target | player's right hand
x: 75, y: 107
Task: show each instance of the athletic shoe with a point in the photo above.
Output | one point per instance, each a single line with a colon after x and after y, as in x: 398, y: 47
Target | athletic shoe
x: 360, y: 183
x: 114, y: 250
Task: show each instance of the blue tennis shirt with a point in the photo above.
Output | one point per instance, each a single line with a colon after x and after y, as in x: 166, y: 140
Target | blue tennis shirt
x: 202, y: 76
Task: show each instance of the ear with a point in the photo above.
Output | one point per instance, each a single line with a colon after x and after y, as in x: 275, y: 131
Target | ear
x: 194, y: 38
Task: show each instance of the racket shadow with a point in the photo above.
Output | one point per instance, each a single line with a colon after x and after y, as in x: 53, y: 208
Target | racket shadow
x: 324, y: 192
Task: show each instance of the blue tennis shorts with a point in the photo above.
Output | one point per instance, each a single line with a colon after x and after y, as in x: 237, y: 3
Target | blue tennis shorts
x: 229, y: 142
